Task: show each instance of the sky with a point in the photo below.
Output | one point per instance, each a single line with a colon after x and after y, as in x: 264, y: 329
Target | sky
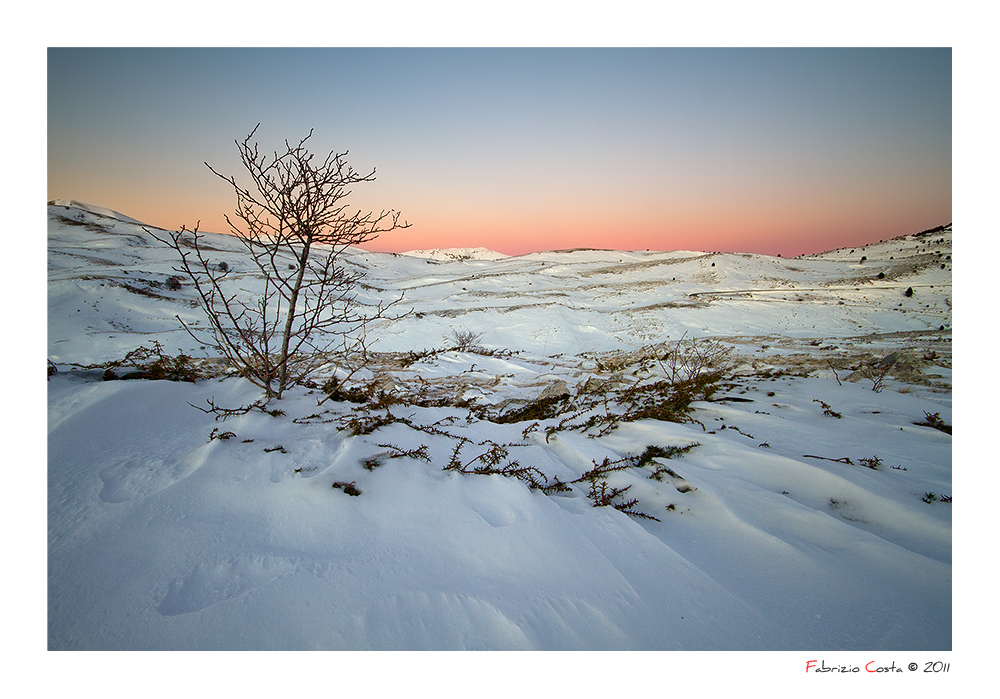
x: 773, y: 150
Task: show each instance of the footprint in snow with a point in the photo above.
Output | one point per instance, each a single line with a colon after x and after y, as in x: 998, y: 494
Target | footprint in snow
x: 127, y: 479
x: 213, y: 582
x: 136, y: 478
x: 494, y: 514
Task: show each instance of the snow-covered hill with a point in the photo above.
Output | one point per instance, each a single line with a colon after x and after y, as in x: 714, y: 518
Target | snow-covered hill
x: 90, y: 209
x: 811, y: 512
x: 457, y: 254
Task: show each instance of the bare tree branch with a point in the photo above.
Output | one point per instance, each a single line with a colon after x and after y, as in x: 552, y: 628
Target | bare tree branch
x: 295, y: 224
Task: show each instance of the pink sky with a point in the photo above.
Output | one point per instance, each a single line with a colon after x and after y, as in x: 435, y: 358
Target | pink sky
x: 777, y: 151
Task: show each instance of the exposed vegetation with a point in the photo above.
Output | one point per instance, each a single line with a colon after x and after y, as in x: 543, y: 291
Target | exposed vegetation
x: 934, y: 420
x: 827, y: 410
x: 349, y: 488
x: 152, y: 363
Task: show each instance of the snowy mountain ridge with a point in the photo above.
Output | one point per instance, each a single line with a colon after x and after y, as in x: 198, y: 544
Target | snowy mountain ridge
x: 89, y: 208
x: 457, y: 254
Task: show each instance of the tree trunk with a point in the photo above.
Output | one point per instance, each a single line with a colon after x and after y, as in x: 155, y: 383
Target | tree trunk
x: 290, y: 320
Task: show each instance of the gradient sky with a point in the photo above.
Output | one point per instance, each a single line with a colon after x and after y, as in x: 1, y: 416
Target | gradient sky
x: 777, y: 151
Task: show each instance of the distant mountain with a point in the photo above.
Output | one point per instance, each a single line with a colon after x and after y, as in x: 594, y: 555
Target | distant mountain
x: 455, y: 254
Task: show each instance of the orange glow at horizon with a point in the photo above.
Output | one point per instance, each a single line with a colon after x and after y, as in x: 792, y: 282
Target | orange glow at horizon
x: 774, y: 151
x: 788, y: 232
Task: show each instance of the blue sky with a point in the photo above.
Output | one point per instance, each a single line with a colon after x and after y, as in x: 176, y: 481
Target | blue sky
x: 759, y: 150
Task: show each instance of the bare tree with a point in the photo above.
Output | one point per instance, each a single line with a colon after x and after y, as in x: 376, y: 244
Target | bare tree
x: 687, y: 358
x: 295, y: 222
x: 877, y: 371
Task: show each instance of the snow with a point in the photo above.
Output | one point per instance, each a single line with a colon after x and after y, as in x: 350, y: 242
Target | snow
x: 89, y: 208
x: 457, y: 254
x: 164, y: 536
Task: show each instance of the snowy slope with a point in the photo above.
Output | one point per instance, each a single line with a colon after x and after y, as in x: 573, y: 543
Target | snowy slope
x: 99, y: 211
x: 457, y: 254
x: 769, y: 534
